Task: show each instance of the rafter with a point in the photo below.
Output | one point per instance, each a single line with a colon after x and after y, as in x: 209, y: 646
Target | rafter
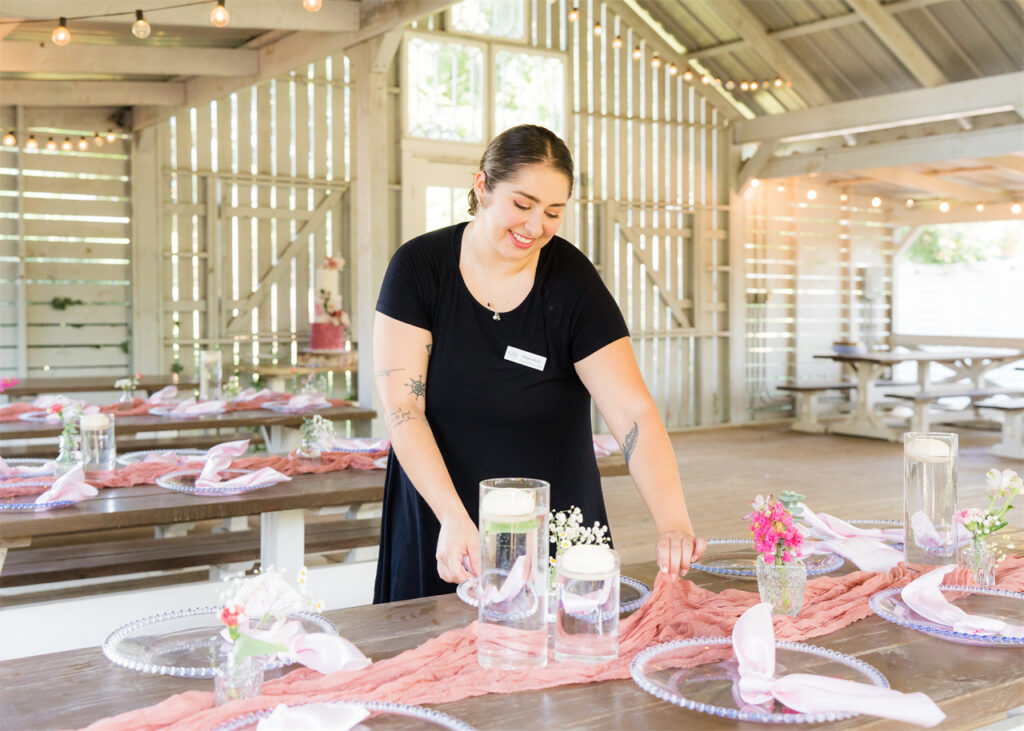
x: 335, y: 15
x: 771, y: 50
x: 92, y: 93
x: 18, y: 56
x: 957, y: 213
x: 1010, y: 162
x: 934, y: 148
x: 935, y: 183
x: 917, y: 106
x: 892, y: 33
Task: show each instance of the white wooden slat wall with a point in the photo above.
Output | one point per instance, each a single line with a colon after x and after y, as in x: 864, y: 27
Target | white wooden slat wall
x: 64, y: 227
x: 244, y: 175
x: 805, y: 263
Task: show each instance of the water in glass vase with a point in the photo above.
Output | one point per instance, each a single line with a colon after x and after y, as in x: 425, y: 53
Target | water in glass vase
x: 929, y: 497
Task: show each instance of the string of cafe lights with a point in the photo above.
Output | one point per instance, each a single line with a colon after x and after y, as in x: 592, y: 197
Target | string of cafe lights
x: 141, y: 29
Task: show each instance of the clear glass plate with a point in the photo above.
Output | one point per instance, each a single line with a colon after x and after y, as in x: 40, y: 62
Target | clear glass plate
x: 168, y: 411
x: 28, y: 462
x: 1007, y: 606
x: 282, y: 407
x: 632, y: 593
x: 25, y: 502
x: 866, y: 523
x: 383, y: 715
x: 184, y: 642
x: 132, y: 457
x: 39, y: 416
x: 710, y: 686
x: 736, y: 557
x: 185, y: 481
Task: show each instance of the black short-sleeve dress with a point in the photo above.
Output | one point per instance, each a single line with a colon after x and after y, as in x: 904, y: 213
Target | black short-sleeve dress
x: 502, y: 396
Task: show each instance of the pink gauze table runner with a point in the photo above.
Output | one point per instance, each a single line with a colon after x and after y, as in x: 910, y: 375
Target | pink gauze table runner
x: 444, y: 669
x: 140, y: 407
x: 145, y: 473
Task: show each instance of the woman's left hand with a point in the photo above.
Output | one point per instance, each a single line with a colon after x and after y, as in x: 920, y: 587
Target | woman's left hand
x: 677, y: 550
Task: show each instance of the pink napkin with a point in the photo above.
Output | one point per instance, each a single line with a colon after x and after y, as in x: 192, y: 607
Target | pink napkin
x: 165, y: 394
x: 867, y: 553
x: 327, y: 653
x: 359, y: 445
x: 927, y: 535
x: 219, y: 458
x: 306, y: 401
x: 71, y: 486
x: 586, y: 603
x: 604, y: 444
x: 924, y: 596
x: 250, y: 394
x: 513, y: 584
x: 262, y: 477
x: 173, y: 457
x: 6, y: 471
x: 313, y: 717
x: 753, y: 640
x: 830, y: 526
x: 47, y: 400
x: 189, y: 407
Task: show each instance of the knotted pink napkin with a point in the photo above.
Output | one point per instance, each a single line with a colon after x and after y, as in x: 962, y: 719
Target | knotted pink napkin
x: 189, y: 407
x: 8, y: 472
x: 219, y: 458
x: 71, y: 486
x: 604, y: 444
x: 164, y: 395
x: 327, y: 653
x: 924, y: 596
x: 511, y: 586
x: 867, y: 553
x: 313, y: 717
x: 172, y: 457
x: 358, y: 445
x: 753, y: 641
x: 250, y: 394
x: 829, y: 526
x: 306, y: 401
x: 262, y: 478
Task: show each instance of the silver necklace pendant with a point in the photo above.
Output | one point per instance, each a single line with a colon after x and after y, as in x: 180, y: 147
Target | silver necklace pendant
x: 496, y: 316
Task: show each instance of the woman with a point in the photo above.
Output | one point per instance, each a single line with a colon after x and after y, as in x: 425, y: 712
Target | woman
x: 489, y: 341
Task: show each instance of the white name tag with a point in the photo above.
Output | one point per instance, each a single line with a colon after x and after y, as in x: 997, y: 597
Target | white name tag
x: 526, y: 358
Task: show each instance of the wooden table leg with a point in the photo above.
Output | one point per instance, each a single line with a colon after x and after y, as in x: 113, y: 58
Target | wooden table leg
x: 865, y: 421
x: 283, y: 541
x: 1012, y: 443
x: 11, y: 543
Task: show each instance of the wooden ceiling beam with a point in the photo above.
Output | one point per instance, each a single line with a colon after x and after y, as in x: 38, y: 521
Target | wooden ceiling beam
x: 774, y: 53
x: 24, y: 57
x: 1008, y: 162
x: 936, y: 183
x: 91, y: 93
x: 335, y: 15
x: 981, y: 143
x: 892, y: 33
x: 905, y: 108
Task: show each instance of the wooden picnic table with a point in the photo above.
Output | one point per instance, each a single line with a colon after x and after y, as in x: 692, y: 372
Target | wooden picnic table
x: 82, y: 384
x: 974, y: 686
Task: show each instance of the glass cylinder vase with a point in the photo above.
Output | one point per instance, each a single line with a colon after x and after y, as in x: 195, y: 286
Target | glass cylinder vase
x: 513, y: 581
x: 782, y: 585
x: 929, y: 497
x: 67, y: 454
x: 979, y: 557
x: 127, y: 400
x: 209, y: 375
x: 236, y: 677
x: 96, y: 433
x: 587, y: 623
x: 308, y: 451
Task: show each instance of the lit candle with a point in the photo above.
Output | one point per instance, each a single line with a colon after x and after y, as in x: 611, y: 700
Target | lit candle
x: 587, y: 560
x: 927, y: 450
x: 507, y: 503
x: 94, y: 422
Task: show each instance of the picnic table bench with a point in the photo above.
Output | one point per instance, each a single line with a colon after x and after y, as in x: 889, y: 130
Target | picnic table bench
x: 923, y: 401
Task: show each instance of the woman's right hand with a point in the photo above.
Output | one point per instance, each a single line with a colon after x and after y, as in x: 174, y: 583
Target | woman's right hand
x: 458, y: 539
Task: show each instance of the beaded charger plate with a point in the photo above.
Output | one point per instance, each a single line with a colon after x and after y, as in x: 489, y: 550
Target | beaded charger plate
x: 736, y: 557
x: 185, y: 481
x: 383, y: 715
x: 184, y: 642
x: 169, y: 412
x: 39, y: 416
x: 282, y: 407
x: 37, y: 463
x: 17, y: 504
x: 1006, y: 606
x: 701, y: 674
x: 184, y: 455
x: 866, y: 523
x: 632, y: 593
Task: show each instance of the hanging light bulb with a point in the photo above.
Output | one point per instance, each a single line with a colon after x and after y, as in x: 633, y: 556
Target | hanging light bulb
x: 843, y: 197
x: 10, y: 140
x: 812, y: 194
x: 617, y: 42
x: 51, y: 144
x: 598, y: 29
x: 744, y: 86
x: 753, y: 86
x: 778, y: 82
x: 61, y: 35
x: 910, y: 203
x: 980, y: 208
x: 111, y: 137
x: 219, y: 16
x: 1015, y: 209
x: 574, y: 15
x: 66, y: 145
x: 673, y: 69
x: 687, y: 76
x: 944, y: 206
x: 637, y: 53
x: 312, y: 5
x: 32, y: 144
x: 730, y: 84
x: 876, y: 202
x: 140, y: 28
x: 83, y: 144
x: 705, y: 79
x: 754, y: 182
x: 789, y: 84
x: 781, y: 189
x: 655, y: 63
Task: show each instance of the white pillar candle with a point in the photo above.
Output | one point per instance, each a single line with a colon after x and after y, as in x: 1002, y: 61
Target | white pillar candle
x: 209, y: 356
x: 587, y: 560
x: 927, y: 450
x: 507, y: 503
x: 94, y: 422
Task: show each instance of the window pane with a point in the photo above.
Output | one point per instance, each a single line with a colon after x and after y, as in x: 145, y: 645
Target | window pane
x: 446, y: 206
x: 445, y: 90
x: 502, y: 18
x: 530, y: 90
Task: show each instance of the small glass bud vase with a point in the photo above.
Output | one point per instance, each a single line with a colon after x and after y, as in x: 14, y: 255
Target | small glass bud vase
x: 979, y: 557
x: 309, y: 451
x: 67, y: 454
x: 235, y: 677
x: 127, y: 399
x: 782, y: 585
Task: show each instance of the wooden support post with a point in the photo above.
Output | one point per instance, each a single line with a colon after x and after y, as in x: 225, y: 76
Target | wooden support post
x: 146, y: 346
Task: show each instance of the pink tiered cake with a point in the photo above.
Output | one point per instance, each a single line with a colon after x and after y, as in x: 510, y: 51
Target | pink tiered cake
x: 327, y: 332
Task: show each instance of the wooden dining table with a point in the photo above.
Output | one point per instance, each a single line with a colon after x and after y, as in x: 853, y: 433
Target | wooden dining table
x: 86, y: 384
x: 974, y: 686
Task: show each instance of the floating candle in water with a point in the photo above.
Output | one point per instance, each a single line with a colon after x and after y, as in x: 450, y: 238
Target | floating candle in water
x: 507, y: 502
x: 927, y: 450
x: 94, y: 422
x: 587, y: 560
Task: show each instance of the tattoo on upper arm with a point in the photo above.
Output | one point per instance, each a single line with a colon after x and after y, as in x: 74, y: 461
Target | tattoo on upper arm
x: 630, y: 445
x: 398, y: 417
x: 385, y: 372
x: 417, y: 386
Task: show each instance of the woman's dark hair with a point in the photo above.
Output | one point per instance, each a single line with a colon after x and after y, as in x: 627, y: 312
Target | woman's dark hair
x: 516, y: 147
